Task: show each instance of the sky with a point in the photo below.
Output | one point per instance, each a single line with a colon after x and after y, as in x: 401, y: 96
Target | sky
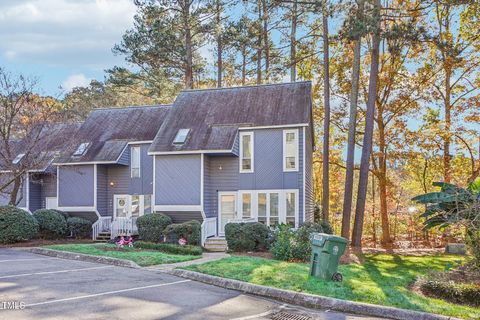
x: 63, y: 43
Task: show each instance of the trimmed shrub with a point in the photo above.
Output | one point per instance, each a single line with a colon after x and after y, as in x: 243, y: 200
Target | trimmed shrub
x: 79, y: 227
x: 281, y: 248
x: 190, y: 231
x: 251, y: 236
x: 301, y: 245
x: 16, y: 225
x: 170, y: 248
x: 463, y: 293
x: 296, y: 245
x: 51, y: 223
x: 151, y: 226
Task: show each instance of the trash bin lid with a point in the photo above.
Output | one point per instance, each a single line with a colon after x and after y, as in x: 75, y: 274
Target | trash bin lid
x: 322, y: 237
x: 318, y: 239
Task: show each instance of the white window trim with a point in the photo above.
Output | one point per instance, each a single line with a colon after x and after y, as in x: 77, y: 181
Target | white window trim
x: 252, y: 153
x: 282, y: 204
x: 139, y: 161
x: 285, y: 132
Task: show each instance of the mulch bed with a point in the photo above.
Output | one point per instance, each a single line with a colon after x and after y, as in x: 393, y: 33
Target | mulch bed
x: 43, y: 242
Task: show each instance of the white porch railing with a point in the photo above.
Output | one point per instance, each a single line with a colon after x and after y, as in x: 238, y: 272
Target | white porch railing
x: 209, y: 228
x: 242, y: 220
x: 124, y: 227
x: 103, y: 224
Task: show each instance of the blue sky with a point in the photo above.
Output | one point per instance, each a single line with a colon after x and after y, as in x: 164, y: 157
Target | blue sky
x: 62, y: 42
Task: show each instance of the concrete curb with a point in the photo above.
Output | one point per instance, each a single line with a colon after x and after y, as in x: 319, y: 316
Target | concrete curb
x: 310, y: 300
x: 84, y: 257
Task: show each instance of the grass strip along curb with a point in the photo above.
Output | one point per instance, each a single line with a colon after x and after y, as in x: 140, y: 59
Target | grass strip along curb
x: 84, y: 257
x: 309, y: 300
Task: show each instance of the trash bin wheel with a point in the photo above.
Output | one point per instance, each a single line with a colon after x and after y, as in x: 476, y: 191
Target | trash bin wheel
x: 337, y: 277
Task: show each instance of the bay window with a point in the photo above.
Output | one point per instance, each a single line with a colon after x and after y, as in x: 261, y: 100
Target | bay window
x: 246, y: 152
x: 290, y: 150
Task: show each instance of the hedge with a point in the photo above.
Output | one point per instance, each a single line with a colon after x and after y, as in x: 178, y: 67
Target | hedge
x: 462, y: 293
x: 151, y: 226
x: 16, y: 225
x: 51, y: 223
x: 79, y: 227
x: 170, y: 248
x: 296, y: 245
x: 190, y: 231
x: 251, y: 236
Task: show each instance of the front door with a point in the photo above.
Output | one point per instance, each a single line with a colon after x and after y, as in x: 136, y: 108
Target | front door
x: 122, y: 206
x: 227, y: 208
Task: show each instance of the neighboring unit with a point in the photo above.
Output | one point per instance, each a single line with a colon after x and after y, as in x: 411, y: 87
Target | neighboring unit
x: 39, y: 183
x: 107, y: 176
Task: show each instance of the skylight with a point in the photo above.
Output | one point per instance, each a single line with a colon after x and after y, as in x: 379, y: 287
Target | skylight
x: 18, y: 158
x: 82, y: 148
x: 181, y: 136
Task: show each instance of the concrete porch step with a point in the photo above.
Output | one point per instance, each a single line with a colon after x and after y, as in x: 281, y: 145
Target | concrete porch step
x: 216, y: 245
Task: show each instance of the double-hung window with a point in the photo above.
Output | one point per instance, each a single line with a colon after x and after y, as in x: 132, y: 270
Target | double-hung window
x: 290, y: 150
x: 135, y: 162
x: 246, y: 152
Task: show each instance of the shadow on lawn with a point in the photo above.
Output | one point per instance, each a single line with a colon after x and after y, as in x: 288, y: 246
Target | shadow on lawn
x: 395, y: 285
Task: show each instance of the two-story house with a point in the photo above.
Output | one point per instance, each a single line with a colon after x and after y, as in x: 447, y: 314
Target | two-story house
x: 240, y: 153
x: 215, y: 155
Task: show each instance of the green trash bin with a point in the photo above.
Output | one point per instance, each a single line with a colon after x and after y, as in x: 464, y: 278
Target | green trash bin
x: 326, y: 252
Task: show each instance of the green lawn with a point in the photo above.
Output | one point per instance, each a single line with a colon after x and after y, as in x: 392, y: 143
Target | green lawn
x: 139, y: 256
x: 382, y: 279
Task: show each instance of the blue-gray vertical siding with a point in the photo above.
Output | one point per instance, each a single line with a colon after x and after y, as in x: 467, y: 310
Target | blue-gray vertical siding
x: 35, y: 193
x: 177, y: 179
x: 309, y: 191
x: 102, y: 185
x: 76, y: 186
x: 224, y: 175
x: 120, y: 182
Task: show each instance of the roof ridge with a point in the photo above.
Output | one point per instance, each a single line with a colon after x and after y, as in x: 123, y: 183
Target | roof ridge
x: 135, y: 107
x: 247, y: 86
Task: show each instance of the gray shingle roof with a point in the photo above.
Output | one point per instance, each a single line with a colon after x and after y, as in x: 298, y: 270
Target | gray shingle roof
x: 53, y: 139
x: 108, y: 131
x: 214, y: 115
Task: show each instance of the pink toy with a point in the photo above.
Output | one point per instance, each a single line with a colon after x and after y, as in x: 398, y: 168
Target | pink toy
x: 182, y: 241
x: 125, y: 242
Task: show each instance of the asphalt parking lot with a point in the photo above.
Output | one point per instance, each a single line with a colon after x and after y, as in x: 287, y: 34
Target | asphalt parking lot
x: 40, y: 287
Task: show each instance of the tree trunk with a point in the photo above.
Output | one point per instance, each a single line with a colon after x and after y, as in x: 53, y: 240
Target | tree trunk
x: 266, y: 41
x: 188, y: 48
x: 368, y: 135
x: 259, y: 44
x: 326, y: 121
x: 17, y: 184
x: 374, y: 220
x: 293, y: 44
x: 244, y: 67
x: 382, y: 181
x: 349, y: 174
x: 448, y: 124
x: 219, y: 45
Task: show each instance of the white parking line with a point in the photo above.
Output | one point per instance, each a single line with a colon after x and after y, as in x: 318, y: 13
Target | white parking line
x: 31, y: 259
x: 107, y: 293
x: 51, y: 272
